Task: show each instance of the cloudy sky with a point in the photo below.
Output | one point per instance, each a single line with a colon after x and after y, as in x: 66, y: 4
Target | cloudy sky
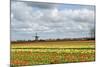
x: 50, y: 20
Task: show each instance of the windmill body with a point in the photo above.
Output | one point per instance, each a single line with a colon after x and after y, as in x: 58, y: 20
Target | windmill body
x: 36, y: 37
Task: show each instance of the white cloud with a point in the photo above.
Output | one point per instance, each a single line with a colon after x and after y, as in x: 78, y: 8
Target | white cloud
x: 28, y: 18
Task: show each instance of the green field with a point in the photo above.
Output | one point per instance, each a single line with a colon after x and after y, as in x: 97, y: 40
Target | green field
x: 33, y: 53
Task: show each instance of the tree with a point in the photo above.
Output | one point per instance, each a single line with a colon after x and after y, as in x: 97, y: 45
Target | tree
x: 93, y: 33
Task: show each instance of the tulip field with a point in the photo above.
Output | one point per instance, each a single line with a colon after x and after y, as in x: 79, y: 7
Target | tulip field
x: 55, y: 52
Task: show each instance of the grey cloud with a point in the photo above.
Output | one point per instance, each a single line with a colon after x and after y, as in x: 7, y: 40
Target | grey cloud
x: 42, y: 5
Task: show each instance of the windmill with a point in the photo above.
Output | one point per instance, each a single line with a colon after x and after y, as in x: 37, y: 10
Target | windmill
x: 36, y: 37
